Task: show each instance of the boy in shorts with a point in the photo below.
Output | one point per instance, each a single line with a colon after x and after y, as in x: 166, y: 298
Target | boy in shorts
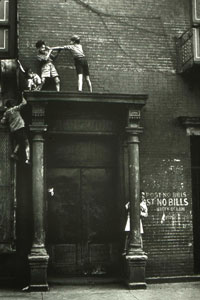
x: 46, y: 58
x: 16, y: 123
x: 80, y: 61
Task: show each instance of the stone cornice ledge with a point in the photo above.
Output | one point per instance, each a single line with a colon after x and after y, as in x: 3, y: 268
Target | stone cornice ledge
x: 50, y: 96
x: 191, y: 124
x: 189, y: 121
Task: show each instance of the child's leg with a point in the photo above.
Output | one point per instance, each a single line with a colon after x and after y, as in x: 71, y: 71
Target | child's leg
x: 126, y: 242
x: 80, y: 82
x: 16, y: 149
x: 141, y: 241
x: 27, y: 151
x: 29, y: 84
x: 43, y: 79
x: 89, y: 84
x: 57, y: 82
x: 14, y: 154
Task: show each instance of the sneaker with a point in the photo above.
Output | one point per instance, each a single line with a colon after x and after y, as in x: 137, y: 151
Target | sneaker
x: 14, y: 156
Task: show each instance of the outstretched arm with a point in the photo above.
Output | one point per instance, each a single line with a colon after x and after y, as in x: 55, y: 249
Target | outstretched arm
x: 24, y: 102
x: 20, y: 66
x: 58, y: 48
x: 54, y: 56
x: 45, y: 57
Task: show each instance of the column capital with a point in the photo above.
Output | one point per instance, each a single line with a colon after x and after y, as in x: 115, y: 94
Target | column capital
x: 133, y: 116
x: 38, y: 112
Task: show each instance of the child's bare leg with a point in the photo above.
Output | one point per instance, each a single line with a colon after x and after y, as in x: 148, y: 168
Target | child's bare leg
x: 27, y: 151
x: 141, y: 241
x: 126, y: 243
x: 57, y: 82
x: 42, y: 83
x: 29, y: 84
x: 14, y: 154
x: 16, y: 149
x: 80, y: 82
x: 89, y: 84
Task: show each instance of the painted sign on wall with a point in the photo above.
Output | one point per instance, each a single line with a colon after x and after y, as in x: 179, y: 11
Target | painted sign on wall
x: 167, y: 201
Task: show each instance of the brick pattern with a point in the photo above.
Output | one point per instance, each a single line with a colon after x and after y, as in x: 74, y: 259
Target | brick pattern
x: 130, y: 46
x: 167, y: 236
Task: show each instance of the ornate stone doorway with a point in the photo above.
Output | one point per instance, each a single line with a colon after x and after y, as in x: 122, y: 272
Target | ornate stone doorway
x: 87, y: 176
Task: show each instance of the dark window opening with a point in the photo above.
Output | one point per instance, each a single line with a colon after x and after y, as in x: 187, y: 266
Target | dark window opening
x: 195, y: 167
x: 8, y: 29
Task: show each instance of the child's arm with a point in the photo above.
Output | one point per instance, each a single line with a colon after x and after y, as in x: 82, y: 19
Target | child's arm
x: 38, y: 79
x: 44, y: 57
x: 58, y: 48
x: 54, y: 56
x: 24, y: 102
x: 67, y: 47
x: 4, y: 119
x: 20, y: 66
x: 49, y: 53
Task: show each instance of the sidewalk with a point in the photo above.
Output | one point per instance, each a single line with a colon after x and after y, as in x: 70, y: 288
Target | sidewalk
x: 163, y: 291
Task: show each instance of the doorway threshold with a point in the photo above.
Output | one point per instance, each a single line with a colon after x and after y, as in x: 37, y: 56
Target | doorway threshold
x: 79, y: 280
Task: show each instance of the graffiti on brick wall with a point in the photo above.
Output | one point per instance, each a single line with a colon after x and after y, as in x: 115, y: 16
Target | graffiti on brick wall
x: 171, y: 207
x: 167, y: 202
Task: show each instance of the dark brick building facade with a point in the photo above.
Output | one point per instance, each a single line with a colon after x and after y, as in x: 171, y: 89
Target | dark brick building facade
x: 131, y: 48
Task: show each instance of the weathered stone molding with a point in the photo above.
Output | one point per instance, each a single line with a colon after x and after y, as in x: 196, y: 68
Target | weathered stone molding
x: 192, y: 125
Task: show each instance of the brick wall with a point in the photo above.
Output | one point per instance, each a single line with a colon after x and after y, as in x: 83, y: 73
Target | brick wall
x: 130, y: 46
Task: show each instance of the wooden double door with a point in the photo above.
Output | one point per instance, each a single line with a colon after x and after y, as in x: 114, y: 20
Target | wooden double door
x: 83, y: 232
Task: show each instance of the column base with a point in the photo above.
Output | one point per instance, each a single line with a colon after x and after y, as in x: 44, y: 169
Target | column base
x: 135, y: 271
x: 38, y: 288
x: 38, y: 270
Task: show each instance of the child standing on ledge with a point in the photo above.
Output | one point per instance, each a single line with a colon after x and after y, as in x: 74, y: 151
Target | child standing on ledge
x: 80, y: 61
x: 46, y: 58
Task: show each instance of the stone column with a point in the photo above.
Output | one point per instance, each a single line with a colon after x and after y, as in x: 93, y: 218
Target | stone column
x: 135, y: 258
x: 38, y: 258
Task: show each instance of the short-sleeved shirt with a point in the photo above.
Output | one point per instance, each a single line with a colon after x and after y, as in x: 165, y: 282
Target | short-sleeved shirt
x: 47, y: 67
x: 76, y: 50
x: 80, y: 60
x: 13, y: 117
